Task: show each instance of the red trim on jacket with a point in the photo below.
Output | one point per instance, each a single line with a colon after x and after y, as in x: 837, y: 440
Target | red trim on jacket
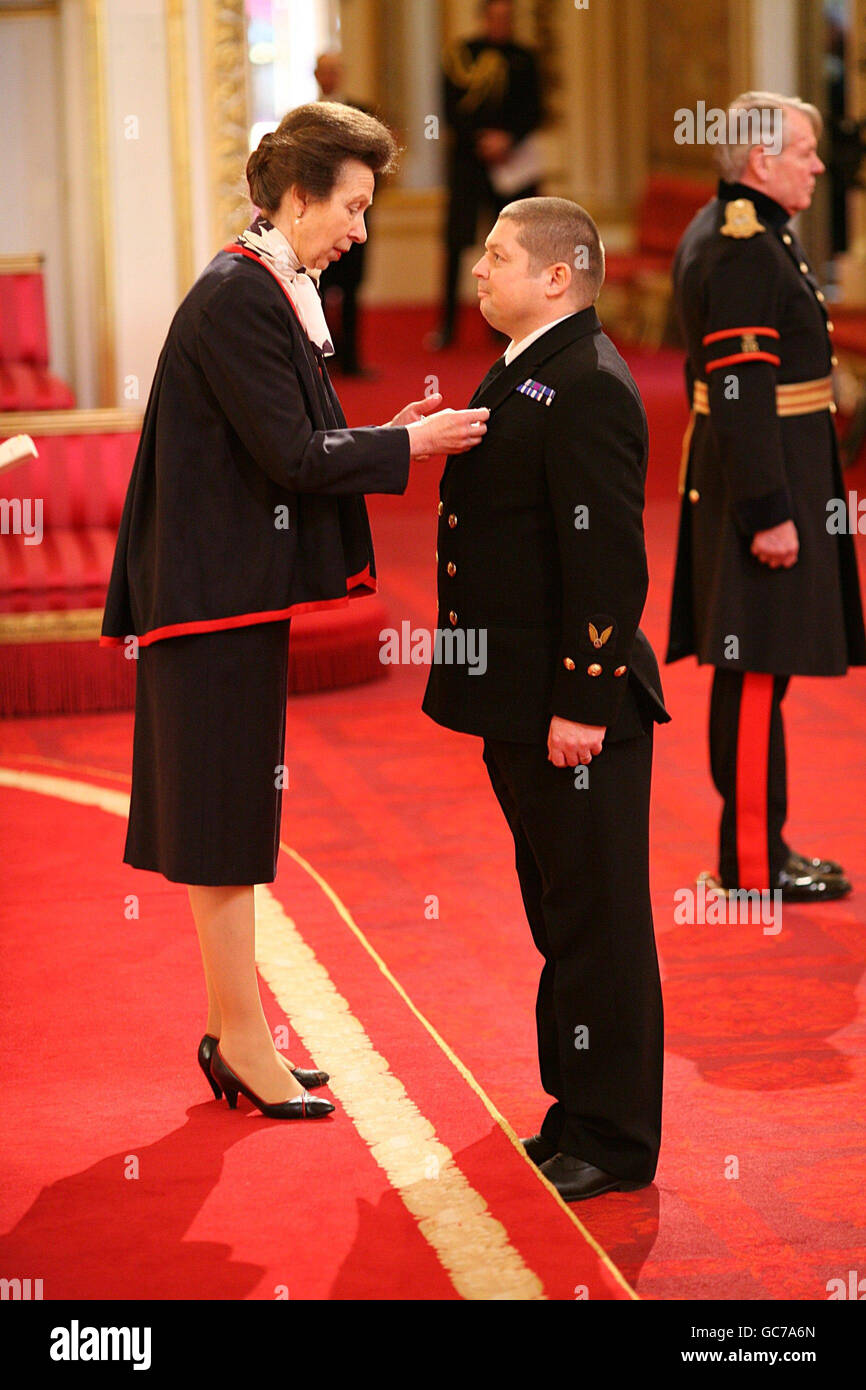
x: 251, y: 256
x: 744, y: 357
x: 158, y: 634
x: 736, y: 332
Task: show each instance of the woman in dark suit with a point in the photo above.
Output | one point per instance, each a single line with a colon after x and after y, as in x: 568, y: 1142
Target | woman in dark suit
x: 245, y: 506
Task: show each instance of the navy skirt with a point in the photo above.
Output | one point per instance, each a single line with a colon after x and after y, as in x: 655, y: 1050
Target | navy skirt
x: 208, y: 755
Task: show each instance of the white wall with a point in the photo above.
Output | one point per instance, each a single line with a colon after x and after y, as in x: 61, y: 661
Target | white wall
x: 140, y: 187
x: 31, y: 161
x: 774, y: 48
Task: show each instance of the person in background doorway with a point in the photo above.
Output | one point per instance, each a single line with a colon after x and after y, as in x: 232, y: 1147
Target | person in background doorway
x: 345, y: 276
x: 492, y: 104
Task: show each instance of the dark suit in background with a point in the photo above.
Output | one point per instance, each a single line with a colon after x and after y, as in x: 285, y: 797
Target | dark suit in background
x: 560, y: 604
x: 346, y: 275
x: 486, y: 85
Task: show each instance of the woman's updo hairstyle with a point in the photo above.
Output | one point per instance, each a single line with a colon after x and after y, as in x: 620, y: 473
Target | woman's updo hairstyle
x: 309, y: 147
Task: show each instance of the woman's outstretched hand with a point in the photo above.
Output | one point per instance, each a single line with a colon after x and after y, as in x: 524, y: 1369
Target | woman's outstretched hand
x: 447, y: 432
x: 418, y: 410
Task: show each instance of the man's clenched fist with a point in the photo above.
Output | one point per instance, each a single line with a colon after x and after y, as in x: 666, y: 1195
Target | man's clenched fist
x: 570, y: 744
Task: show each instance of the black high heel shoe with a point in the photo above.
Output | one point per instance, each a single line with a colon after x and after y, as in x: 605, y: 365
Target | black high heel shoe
x: 302, y: 1107
x: 305, y: 1076
x: 205, y: 1052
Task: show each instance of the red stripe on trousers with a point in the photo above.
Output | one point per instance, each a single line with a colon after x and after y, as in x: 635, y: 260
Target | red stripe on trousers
x: 753, y: 763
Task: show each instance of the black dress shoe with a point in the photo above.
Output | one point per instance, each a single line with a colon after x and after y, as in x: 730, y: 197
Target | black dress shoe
x: 575, y: 1180
x: 801, y: 864
x: 302, y: 1107
x: 539, y: 1149
x: 797, y: 887
x: 811, y: 887
x: 310, y: 1079
x: 305, y: 1077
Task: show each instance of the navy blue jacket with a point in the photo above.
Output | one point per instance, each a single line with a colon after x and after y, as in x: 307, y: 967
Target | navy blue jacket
x: 245, y: 502
x: 541, y: 546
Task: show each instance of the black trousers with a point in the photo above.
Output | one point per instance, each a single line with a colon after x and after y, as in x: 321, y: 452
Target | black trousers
x: 582, y: 856
x: 346, y: 276
x: 747, y: 757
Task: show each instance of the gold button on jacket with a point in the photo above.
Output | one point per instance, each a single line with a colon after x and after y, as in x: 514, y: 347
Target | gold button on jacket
x: 594, y: 669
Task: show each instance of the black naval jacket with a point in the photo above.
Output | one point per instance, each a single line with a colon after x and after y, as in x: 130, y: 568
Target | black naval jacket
x: 754, y: 317
x: 500, y: 93
x: 245, y: 502
x: 560, y: 602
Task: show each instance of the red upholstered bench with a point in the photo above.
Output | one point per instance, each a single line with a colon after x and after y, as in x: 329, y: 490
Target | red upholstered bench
x: 52, y: 589
x: 25, y: 381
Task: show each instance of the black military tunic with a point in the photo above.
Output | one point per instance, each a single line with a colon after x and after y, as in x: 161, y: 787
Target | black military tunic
x: 761, y: 450
x: 541, y: 548
x: 492, y: 86
x: 754, y: 318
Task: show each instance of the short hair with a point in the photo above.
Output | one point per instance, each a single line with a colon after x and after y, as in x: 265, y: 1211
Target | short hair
x: 310, y: 146
x: 556, y: 229
x: 733, y: 155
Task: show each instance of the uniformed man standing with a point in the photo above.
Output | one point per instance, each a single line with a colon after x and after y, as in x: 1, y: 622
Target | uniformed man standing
x: 492, y: 103
x: 541, y: 549
x: 764, y: 587
x: 346, y: 274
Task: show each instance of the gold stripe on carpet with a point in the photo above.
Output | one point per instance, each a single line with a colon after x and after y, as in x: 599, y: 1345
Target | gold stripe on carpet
x: 472, y: 1246
x: 464, y: 1071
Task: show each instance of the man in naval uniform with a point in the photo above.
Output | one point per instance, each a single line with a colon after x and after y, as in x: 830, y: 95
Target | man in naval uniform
x: 492, y: 101
x: 541, y: 548
x: 765, y: 587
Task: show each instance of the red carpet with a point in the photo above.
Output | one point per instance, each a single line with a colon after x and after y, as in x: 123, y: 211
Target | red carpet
x: 125, y: 1179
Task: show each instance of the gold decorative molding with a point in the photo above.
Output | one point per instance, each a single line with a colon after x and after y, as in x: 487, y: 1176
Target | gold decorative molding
x: 178, y: 98
x: 709, y: 48
x: 41, y: 423
x: 94, y: 21
x: 28, y: 11
x: 227, y: 103
x: 60, y: 625
x: 23, y: 264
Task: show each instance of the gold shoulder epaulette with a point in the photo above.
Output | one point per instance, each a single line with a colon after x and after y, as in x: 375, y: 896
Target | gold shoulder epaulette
x: 741, y: 220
